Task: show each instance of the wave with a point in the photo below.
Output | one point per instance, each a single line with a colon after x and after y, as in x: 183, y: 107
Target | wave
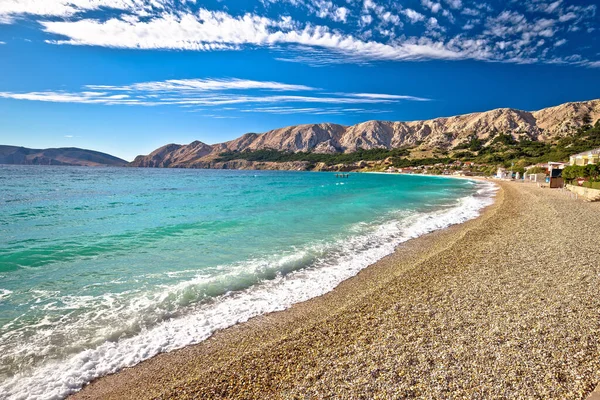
x: 252, y: 288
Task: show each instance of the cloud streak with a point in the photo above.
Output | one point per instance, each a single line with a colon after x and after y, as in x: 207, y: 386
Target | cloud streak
x: 184, y: 85
x: 239, y: 94
x: 221, y: 31
x: 66, y: 8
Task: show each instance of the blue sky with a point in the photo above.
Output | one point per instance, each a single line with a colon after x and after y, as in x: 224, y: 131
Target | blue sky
x: 128, y: 76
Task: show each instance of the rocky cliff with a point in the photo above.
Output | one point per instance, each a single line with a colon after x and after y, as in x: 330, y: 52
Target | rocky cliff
x: 440, y: 133
x: 62, y: 156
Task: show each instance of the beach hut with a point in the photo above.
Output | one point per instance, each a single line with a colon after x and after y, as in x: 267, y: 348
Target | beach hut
x: 503, y: 173
x: 540, y: 178
x: 555, y: 171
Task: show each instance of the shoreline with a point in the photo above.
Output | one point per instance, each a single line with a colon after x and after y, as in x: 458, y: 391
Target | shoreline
x: 306, y: 305
x: 284, y: 364
x: 350, y: 256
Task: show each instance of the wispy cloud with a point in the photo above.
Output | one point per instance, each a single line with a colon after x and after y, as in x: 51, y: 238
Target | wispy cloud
x: 185, y: 85
x: 283, y: 110
x: 10, y: 9
x: 387, y: 96
x: 343, y: 32
x: 413, y: 15
x: 202, y: 94
x: 218, y: 30
x: 77, y: 97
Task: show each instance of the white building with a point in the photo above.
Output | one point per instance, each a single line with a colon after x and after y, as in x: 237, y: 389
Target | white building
x: 503, y: 173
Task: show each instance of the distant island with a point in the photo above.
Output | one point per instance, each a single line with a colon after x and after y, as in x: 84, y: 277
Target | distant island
x: 62, y: 156
x: 501, y: 136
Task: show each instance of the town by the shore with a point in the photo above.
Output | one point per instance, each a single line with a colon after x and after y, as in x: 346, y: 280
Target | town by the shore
x: 503, y: 306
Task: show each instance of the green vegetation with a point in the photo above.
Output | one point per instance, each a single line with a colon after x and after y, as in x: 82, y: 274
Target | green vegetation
x: 592, y: 185
x: 500, y: 149
x: 329, y: 159
x: 474, y: 144
x: 537, y: 170
x: 590, y: 171
x: 504, y: 149
x: 405, y: 162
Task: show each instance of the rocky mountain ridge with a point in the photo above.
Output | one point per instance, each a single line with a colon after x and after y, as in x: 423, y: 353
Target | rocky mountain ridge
x: 440, y: 133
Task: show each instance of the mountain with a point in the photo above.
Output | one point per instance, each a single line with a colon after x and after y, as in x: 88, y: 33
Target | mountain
x: 442, y: 134
x: 62, y: 156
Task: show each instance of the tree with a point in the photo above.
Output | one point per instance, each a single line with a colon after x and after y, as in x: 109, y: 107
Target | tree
x: 592, y: 171
x: 537, y: 170
x: 573, y: 172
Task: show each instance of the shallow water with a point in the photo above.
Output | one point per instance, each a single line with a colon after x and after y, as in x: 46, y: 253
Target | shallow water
x: 101, y: 268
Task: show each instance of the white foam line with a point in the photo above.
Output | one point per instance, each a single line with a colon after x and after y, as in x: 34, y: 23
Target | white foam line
x: 59, y: 379
x: 4, y: 293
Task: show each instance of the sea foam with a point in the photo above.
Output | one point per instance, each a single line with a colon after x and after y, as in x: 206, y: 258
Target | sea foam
x: 330, y: 266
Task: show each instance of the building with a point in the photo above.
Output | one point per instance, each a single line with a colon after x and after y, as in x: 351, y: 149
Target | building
x: 555, y: 171
x: 538, y: 178
x: 503, y: 174
x: 586, y: 157
x: 539, y: 165
x: 552, y: 165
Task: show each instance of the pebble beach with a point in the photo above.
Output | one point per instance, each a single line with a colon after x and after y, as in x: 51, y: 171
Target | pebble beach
x: 503, y: 306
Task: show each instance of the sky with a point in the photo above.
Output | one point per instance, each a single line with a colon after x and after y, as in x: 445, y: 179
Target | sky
x: 128, y: 76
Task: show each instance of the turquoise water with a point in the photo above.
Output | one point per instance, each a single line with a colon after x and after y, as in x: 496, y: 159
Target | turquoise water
x: 101, y: 268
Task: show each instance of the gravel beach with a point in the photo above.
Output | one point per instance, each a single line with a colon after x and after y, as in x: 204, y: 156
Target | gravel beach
x: 503, y: 306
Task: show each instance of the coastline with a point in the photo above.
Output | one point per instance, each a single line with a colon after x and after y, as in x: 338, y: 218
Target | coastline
x: 394, y: 329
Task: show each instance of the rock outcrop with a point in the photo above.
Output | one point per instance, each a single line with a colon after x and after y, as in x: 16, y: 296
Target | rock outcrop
x: 439, y: 133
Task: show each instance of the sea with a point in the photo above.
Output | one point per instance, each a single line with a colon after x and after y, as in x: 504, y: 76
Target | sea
x: 102, y: 268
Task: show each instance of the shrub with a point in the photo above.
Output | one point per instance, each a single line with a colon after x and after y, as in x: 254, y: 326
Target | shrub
x: 592, y: 185
x: 537, y: 170
x: 573, y: 172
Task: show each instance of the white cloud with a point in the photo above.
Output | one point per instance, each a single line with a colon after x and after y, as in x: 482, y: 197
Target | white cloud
x: 221, y: 99
x: 454, y: 3
x: 205, y: 31
x: 365, y: 20
x: 203, y: 93
x: 471, y: 12
x: 387, y: 96
x: 81, y: 97
x: 560, y: 42
x: 567, y: 17
x: 543, y: 6
x: 219, y: 30
x: 433, y: 6
x: 389, y: 18
x: 341, y: 14
x: 432, y: 23
x: 413, y: 15
x: 283, y: 110
x: 170, y: 24
x: 510, y: 23
x: 10, y: 9
x: 184, y: 85
x: 326, y: 9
